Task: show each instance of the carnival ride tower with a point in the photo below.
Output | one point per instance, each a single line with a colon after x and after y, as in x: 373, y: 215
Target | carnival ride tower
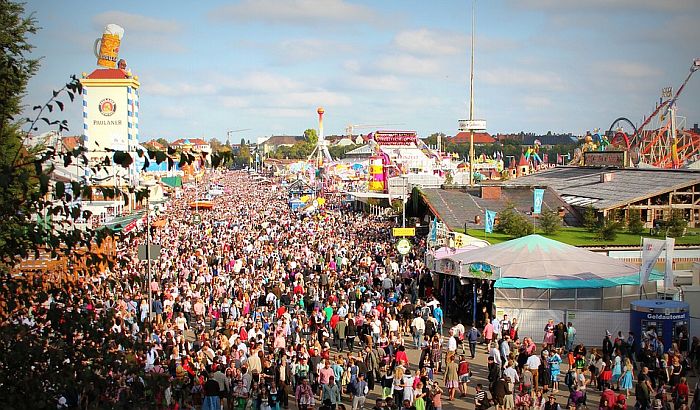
x: 320, y: 152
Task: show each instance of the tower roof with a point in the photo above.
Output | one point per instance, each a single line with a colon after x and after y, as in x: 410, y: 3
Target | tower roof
x: 523, y: 161
x: 109, y: 74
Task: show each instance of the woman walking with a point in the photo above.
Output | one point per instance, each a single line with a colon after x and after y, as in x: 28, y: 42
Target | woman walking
x: 451, y: 377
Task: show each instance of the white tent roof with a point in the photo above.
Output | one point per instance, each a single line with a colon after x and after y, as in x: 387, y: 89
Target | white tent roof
x: 538, y: 258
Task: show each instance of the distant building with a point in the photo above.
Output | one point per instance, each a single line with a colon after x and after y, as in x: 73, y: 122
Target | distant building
x: 550, y: 140
x: 191, y: 144
x: 154, y: 145
x: 654, y: 192
x: 276, y: 141
x: 480, y: 138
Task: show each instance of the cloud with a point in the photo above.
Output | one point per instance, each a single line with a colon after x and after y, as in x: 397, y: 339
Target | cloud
x: 375, y: 82
x: 309, y: 49
x: 430, y: 42
x: 310, y: 97
x: 235, y: 102
x: 607, y: 5
x: 408, y: 64
x: 143, y: 32
x: 536, y: 102
x: 136, y: 23
x: 260, y: 82
x: 294, y: 12
x: 180, y: 89
x: 627, y: 70
x: 513, y: 77
x: 174, y: 112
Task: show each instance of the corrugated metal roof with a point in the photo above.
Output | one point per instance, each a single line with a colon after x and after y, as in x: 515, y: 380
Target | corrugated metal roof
x: 627, y: 185
x: 456, y: 207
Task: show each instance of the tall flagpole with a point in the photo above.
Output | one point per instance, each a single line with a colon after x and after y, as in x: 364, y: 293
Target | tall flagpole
x: 471, y: 100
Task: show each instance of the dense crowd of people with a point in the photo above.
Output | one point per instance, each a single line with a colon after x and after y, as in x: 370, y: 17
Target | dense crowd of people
x: 261, y: 307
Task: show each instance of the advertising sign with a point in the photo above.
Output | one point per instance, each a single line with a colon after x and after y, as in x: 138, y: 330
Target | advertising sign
x: 404, y: 231
x: 605, y: 159
x: 107, y: 118
x: 471, y: 125
x: 395, y: 138
x: 403, y: 246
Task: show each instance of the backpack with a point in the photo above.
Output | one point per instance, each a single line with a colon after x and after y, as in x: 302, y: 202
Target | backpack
x: 569, y: 379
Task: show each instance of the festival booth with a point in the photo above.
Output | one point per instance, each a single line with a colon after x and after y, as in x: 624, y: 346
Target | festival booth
x: 536, y: 279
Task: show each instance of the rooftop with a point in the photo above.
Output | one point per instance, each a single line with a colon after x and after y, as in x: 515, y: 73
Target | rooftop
x: 455, y: 206
x: 479, y: 138
x: 581, y: 186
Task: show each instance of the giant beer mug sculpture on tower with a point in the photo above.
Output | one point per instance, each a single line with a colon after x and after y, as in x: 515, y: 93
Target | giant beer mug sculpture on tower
x: 107, y: 47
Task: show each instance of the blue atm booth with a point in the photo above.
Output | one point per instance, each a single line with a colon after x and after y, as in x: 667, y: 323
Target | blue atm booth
x: 667, y: 318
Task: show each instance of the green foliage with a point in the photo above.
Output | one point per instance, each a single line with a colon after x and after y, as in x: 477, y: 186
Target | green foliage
x: 311, y: 136
x: 77, y: 352
x: 550, y: 222
x: 16, y: 66
x: 607, y: 228
x: 163, y: 142
x: 676, y: 224
x: 513, y: 223
x: 635, y: 224
x: 339, y: 151
x: 590, y: 219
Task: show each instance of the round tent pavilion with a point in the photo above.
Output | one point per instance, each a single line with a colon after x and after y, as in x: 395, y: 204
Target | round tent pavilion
x: 541, y: 273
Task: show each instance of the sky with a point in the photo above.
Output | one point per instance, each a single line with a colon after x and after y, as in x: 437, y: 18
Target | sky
x: 266, y: 65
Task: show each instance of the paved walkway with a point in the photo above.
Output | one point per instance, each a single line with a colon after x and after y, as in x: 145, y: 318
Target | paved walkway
x: 479, y: 370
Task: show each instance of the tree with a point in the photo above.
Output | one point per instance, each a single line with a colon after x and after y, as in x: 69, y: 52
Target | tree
x: 163, y: 142
x: 215, y: 145
x: 76, y: 353
x: 676, y: 224
x: 311, y: 136
x: 635, y: 224
x: 607, y: 228
x: 432, y: 138
x: 590, y: 219
x: 513, y: 223
x: 550, y: 222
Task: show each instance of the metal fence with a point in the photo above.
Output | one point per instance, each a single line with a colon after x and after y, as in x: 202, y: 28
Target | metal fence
x: 590, y: 324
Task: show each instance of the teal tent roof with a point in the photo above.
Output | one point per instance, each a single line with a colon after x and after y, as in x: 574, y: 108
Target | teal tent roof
x: 534, y: 261
x: 120, y: 222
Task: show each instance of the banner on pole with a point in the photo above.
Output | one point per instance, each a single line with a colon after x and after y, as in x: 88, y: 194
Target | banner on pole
x: 539, y: 197
x: 668, y: 274
x: 651, y: 250
x: 490, y: 220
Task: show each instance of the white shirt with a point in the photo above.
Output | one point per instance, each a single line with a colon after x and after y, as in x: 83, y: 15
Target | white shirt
x: 451, y: 344
x: 512, y: 373
x: 418, y: 323
x: 533, y: 362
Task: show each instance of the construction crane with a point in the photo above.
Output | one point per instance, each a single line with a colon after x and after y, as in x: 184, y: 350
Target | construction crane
x: 228, y: 134
x: 352, y: 127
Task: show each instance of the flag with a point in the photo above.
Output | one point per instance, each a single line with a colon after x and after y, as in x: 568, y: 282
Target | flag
x: 433, y: 230
x: 490, y: 219
x: 539, y: 197
x: 651, y: 250
x: 668, y: 273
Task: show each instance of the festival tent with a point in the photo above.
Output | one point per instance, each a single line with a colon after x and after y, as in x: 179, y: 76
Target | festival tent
x: 534, y: 261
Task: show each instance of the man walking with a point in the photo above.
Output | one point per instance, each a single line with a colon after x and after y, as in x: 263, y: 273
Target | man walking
x: 417, y: 329
x: 361, y: 390
x: 473, y: 338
